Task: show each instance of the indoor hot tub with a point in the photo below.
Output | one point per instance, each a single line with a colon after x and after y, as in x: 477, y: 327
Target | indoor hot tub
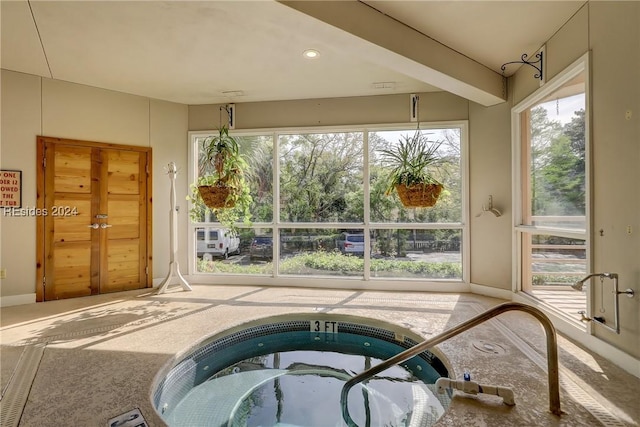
x: 291, y: 373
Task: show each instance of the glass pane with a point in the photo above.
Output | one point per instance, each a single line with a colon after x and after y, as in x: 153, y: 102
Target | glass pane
x: 556, y: 157
x: 386, y: 206
x: 556, y: 260
x: 417, y: 254
x: 321, y: 177
x: 312, y: 252
x: 258, y: 151
x: 218, y: 250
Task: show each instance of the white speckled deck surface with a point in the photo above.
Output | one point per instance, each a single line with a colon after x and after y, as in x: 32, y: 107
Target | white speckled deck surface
x: 101, y: 353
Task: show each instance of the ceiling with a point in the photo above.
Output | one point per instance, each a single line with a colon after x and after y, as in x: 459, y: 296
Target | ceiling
x: 205, y: 52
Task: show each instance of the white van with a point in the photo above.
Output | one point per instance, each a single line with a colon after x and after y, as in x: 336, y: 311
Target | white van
x: 216, y: 242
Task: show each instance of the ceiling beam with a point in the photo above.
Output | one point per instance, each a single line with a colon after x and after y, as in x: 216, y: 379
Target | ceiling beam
x: 382, y: 40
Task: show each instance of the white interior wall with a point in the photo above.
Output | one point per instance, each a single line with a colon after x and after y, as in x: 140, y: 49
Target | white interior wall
x: 490, y: 174
x: 168, y: 135
x: 383, y: 109
x: 615, y: 145
x: 21, y: 122
x: 76, y: 111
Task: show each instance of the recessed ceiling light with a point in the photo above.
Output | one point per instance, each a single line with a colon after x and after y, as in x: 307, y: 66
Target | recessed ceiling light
x: 311, y: 53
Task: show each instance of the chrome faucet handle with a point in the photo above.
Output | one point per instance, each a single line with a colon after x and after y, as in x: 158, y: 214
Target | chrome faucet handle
x: 629, y: 292
x: 584, y: 318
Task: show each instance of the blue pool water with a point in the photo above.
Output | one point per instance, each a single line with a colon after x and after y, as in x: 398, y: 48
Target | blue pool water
x: 290, y: 378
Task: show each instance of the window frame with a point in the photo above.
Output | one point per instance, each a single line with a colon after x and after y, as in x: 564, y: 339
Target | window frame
x: 366, y: 282
x: 519, y: 162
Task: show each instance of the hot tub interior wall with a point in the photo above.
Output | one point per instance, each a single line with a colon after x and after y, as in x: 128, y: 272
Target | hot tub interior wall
x: 188, y: 372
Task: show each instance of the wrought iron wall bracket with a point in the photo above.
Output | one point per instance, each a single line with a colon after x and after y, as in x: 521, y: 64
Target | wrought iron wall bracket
x: 523, y: 60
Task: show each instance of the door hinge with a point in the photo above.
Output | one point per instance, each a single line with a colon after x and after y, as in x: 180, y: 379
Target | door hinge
x: 44, y: 281
x: 146, y: 168
x: 146, y: 270
x: 44, y: 162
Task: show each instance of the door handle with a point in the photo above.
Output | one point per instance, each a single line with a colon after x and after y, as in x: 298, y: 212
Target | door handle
x: 95, y: 226
x: 105, y: 225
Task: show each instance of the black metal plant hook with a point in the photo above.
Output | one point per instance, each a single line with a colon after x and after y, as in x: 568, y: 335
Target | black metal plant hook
x: 523, y: 60
x: 229, y: 113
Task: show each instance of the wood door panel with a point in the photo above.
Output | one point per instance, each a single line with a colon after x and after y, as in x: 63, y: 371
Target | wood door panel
x: 71, y: 271
x: 68, y: 244
x: 68, y: 291
x: 69, y: 227
x: 123, y: 172
x: 72, y: 170
x: 123, y: 266
x: 124, y: 198
x: 124, y: 217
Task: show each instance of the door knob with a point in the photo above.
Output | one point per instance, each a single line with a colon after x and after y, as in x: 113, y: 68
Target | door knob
x: 105, y: 225
x: 95, y: 226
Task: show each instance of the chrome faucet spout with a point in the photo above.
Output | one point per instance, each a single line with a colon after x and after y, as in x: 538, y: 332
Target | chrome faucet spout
x: 579, y: 285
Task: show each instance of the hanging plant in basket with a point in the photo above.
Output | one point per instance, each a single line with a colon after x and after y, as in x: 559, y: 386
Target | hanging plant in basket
x: 419, y: 195
x: 413, y: 165
x: 216, y: 196
x: 222, y: 186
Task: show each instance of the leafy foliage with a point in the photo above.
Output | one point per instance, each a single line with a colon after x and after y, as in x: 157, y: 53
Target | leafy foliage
x: 328, y: 262
x: 321, y: 177
x: 414, y: 160
x: 221, y: 164
x: 557, y: 164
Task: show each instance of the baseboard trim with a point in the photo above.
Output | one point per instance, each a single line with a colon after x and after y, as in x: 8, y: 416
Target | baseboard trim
x: 10, y: 300
x: 489, y: 291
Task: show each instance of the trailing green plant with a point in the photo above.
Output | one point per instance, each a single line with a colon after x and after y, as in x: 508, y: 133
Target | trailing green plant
x: 222, y: 166
x: 413, y: 160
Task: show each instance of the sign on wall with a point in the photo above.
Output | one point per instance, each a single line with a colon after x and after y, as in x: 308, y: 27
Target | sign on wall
x: 10, y: 189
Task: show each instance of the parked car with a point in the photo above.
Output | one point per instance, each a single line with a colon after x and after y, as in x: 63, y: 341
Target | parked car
x: 218, y: 242
x: 351, y: 243
x: 261, y: 248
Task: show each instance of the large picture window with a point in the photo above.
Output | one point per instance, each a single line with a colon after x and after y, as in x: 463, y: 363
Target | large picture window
x: 320, y: 209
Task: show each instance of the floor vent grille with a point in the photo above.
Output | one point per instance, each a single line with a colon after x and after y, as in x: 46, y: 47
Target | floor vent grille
x: 133, y: 418
x: 17, y: 392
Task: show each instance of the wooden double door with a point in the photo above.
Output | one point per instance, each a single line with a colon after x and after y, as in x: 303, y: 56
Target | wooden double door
x: 93, y: 218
